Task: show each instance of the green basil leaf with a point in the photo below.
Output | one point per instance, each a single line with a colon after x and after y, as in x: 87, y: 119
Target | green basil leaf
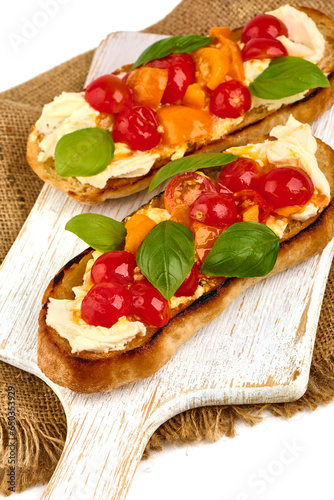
x: 287, y: 76
x: 173, y: 44
x: 166, y: 256
x: 98, y: 231
x: 84, y: 152
x: 243, y: 250
x: 193, y: 162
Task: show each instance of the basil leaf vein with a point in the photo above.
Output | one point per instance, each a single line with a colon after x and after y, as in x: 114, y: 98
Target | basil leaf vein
x: 193, y: 162
x: 84, y: 152
x: 244, y: 250
x: 98, y: 231
x: 287, y: 76
x: 173, y: 44
x: 166, y: 256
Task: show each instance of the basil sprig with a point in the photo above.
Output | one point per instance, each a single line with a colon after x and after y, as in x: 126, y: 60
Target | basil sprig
x: 243, y: 250
x: 173, y: 44
x: 98, y: 231
x: 193, y: 162
x: 84, y: 152
x: 166, y: 256
x: 287, y: 76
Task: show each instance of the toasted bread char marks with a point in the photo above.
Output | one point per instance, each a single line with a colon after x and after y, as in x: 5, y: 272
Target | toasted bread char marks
x: 258, y: 121
x: 89, y: 372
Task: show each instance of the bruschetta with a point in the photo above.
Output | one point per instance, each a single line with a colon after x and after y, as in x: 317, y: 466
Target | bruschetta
x: 184, y: 94
x: 117, y: 312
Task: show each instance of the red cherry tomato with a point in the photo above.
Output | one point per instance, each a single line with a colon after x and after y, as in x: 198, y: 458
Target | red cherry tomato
x: 247, y: 198
x: 263, y: 26
x: 184, y: 189
x: 230, y: 99
x: 137, y: 127
x: 242, y: 173
x: 190, y: 283
x: 117, y: 266
x: 105, y: 303
x: 108, y: 94
x: 181, y: 73
x: 284, y: 187
x: 214, y: 210
x: 149, y: 305
x: 263, y: 48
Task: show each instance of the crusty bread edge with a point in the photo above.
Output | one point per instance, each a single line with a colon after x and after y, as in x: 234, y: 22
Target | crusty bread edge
x: 94, y: 375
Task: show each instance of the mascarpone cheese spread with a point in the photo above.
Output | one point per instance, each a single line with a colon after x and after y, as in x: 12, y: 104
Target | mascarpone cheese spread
x: 65, y: 317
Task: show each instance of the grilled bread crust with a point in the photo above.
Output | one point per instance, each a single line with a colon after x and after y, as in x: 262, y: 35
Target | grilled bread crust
x: 256, y: 122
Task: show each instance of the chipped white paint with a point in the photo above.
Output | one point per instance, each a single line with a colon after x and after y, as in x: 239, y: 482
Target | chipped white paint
x: 258, y: 350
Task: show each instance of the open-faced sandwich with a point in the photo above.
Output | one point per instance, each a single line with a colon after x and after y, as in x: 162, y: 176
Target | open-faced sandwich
x: 184, y: 94
x: 117, y: 312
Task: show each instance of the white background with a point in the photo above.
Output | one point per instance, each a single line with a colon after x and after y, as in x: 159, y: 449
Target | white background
x: 274, y: 460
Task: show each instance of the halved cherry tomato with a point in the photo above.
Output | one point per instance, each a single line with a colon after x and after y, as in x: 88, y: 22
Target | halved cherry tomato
x: 214, y: 210
x: 183, y: 123
x: 190, y: 283
x: 243, y: 173
x: 212, y: 65
x: 263, y: 26
x: 284, y: 186
x: 230, y: 99
x: 147, y: 85
x: 247, y: 198
x: 184, y: 189
x: 181, y: 73
x: 138, y: 128
x: 149, y: 305
x: 108, y: 94
x: 105, y: 303
x: 205, y: 237
x: 263, y: 48
x: 116, y: 266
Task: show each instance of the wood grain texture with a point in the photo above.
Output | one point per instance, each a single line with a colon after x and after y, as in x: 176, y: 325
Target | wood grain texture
x: 258, y: 350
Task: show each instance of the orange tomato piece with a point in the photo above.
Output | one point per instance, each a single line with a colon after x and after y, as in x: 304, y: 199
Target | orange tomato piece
x: 183, y: 123
x: 220, y: 31
x: 205, y: 237
x: 138, y: 227
x: 148, y: 85
x: 212, y: 65
x: 181, y: 215
x: 195, y: 96
x: 251, y: 214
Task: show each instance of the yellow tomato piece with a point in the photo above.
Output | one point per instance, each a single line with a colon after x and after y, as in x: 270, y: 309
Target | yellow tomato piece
x: 212, y: 65
x: 138, y: 227
x: 195, y: 96
x: 183, y: 123
x: 148, y: 85
x: 251, y: 214
x: 220, y: 31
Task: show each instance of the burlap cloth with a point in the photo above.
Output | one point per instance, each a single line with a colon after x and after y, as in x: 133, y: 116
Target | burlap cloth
x: 40, y: 420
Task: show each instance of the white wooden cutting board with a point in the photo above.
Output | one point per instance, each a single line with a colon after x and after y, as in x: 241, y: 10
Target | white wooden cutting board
x: 258, y: 350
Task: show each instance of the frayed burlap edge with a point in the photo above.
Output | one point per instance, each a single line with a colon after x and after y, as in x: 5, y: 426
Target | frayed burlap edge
x: 37, y: 451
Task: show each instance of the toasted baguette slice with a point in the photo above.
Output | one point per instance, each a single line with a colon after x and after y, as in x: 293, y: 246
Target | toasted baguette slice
x: 258, y: 121
x: 89, y: 372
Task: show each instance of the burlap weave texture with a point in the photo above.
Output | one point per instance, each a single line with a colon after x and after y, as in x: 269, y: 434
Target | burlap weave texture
x: 41, y: 423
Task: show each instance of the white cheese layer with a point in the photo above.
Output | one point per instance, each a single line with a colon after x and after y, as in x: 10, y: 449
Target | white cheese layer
x: 305, y: 40
x: 65, y: 317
